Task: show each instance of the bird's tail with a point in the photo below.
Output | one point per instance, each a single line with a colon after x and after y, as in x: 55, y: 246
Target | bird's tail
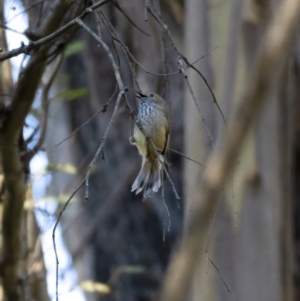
x: 149, y: 178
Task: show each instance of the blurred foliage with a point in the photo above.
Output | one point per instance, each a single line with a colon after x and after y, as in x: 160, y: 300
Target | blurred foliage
x: 73, y: 48
x: 58, y: 167
x: 72, y: 94
x: 95, y: 287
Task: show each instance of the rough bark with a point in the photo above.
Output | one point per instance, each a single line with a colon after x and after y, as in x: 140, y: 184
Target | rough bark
x: 14, y: 163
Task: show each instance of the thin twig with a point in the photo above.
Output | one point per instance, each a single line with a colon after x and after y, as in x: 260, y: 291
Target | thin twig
x: 100, y: 148
x: 139, y: 64
x: 53, y: 234
x: 103, y: 110
x: 110, y: 56
x: 11, y: 29
x: 148, y: 71
x: 166, y: 212
x: 181, y: 56
x: 223, y: 279
x: 186, y: 157
x: 115, y: 37
x: 25, y: 10
x: 117, y: 6
x: 146, y: 6
x: 173, y: 186
x: 204, y: 55
x: 45, y: 107
x: 195, y: 100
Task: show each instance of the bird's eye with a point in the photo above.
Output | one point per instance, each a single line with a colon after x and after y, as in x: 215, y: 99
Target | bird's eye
x: 151, y: 95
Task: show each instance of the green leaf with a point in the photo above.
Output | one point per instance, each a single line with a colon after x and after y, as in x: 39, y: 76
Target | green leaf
x: 73, y: 93
x: 74, y: 48
x: 66, y: 168
x: 57, y: 167
x: 95, y: 287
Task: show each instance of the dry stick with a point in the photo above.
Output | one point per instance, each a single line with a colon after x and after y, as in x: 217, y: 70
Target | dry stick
x: 139, y: 64
x: 101, y: 147
x: 146, y: 9
x: 195, y: 101
x: 103, y: 110
x: 156, y: 7
x: 209, y: 233
x: 97, y: 12
x: 153, y: 73
x: 163, y: 50
x: 172, y: 184
x: 158, y: 74
x: 115, y: 37
x: 276, y: 46
x: 186, y: 157
x: 232, y: 194
x: 166, y: 211
x: 181, y: 56
x: 25, y: 10
x: 204, y: 55
x: 118, y: 7
x: 101, y: 18
x: 53, y: 234
x: 52, y: 36
x: 110, y: 56
x: 45, y: 107
x: 10, y: 29
x: 223, y: 279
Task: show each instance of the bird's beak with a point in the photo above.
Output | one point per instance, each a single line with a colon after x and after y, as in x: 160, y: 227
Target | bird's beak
x: 139, y: 94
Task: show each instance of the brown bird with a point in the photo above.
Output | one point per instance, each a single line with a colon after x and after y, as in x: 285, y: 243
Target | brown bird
x: 154, y: 120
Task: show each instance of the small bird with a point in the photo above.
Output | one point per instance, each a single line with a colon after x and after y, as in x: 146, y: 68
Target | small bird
x: 154, y: 121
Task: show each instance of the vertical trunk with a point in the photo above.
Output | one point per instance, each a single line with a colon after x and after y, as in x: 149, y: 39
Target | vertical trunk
x: 197, y: 143
x: 255, y: 259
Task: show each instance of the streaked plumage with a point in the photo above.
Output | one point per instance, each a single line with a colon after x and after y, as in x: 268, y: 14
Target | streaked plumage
x: 153, y: 116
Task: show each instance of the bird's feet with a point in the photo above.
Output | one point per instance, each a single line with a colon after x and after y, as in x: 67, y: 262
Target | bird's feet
x: 132, y: 140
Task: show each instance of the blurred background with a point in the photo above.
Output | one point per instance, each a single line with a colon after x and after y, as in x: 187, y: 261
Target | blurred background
x: 117, y: 245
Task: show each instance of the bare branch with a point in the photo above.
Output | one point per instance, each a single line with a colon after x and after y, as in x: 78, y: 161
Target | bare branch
x: 195, y: 100
x: 166, y: 212
x: 186, y: 157
x: 181, y: 56
x: 101, y: 147
x: 277, y: 44
x: 146, y: 7
x: 52, y: 36
x: 25, y: 10
x: 115, y: 3
x: 223, y: 279
x: 103, y: 110
x: 44, y: 115
x: 115, y: 37
x: 54, y: 230
x: 107, y: 50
